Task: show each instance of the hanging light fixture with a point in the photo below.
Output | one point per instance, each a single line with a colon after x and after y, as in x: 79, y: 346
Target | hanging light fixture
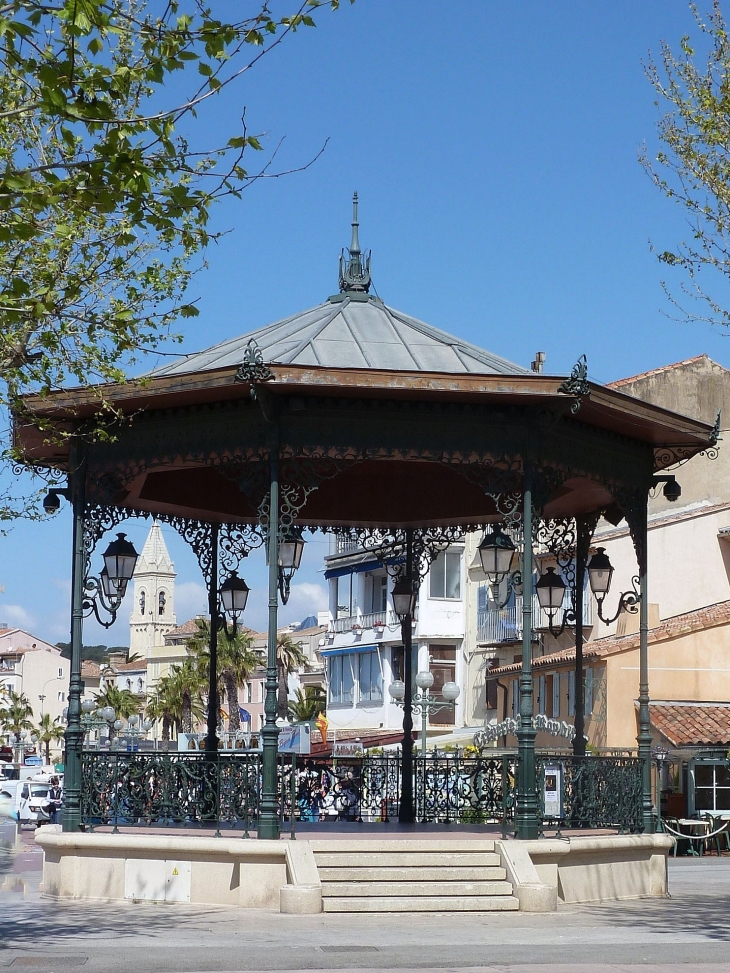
x: 496, y: 552
x: 120, y: 559
x: 404, y: 598
x: 234, y: 595
x: 600, y: 572
x: 550, y: 591
x: 291, y: 548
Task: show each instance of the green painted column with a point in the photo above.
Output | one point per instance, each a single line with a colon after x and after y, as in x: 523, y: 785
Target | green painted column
x: 269, y: 811
x: 406, y: 811
x: 644, y: 736
x: 526, y: 817
x: 74, y: 736
x: 211, y: 737
x: 583, y: 539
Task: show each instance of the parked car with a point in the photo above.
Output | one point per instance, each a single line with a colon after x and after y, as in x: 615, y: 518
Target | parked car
x: 25, y: 801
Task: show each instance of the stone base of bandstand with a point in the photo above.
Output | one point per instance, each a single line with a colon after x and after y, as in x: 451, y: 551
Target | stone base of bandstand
x: 283, y: 875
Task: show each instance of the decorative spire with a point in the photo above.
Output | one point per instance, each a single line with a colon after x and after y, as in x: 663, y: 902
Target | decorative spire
x: 355, y: 267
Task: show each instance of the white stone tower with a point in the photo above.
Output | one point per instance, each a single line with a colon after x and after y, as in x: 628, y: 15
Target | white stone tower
x: 153, y: 614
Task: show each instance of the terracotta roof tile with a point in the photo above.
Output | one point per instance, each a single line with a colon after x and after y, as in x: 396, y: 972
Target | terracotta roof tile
x: 90, y: 669
x: 671, y: 628
x: 692, y: 724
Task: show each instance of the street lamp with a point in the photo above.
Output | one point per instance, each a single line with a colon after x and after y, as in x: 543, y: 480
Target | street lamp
x: 109, y: 589
x: 404, y: 599
x: 550, y: 590
x: 404, y: 595
x: 661, y: 755
x: 291, y: 548
x: 234, y: 595
x: 497, y: 553
x: 424, y: 703
x: 93, y: 718
x: 600, y: 573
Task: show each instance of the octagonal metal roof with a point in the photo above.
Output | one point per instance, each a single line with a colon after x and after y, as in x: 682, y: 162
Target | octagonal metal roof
x: 352, y: 332
x: 352, y: 329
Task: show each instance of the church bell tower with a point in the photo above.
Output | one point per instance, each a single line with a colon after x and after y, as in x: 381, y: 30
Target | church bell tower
x: 153, y: 614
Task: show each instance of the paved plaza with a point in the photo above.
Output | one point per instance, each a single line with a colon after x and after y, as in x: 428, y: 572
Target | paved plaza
x: 689, y: 931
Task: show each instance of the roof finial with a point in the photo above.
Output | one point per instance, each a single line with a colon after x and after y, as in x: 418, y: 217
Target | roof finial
x: 355, y: 242
x: 355, y: 268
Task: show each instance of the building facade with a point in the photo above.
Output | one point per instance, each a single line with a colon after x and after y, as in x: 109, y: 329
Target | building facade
x: 689, y: 617
x: 363, y: 648
x: 35, y: 668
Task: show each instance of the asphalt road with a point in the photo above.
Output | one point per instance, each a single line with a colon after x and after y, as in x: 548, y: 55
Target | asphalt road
x: 689, y: 932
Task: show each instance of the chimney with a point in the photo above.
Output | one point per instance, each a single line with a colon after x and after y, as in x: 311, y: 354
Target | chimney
x: 117, y: 658
x: 539, y: 361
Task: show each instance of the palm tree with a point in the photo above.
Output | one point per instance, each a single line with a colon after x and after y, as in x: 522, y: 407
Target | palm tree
x: 307, y: 705
x: 186, y: 684
x: 49, y: 731
x: 124, y: 702
x: 165, y: 705
x: 237, y: 659
x: 289, y: 658
x: 15, y: 716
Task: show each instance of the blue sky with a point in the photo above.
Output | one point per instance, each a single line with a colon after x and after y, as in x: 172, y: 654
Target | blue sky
x: 494, y: 149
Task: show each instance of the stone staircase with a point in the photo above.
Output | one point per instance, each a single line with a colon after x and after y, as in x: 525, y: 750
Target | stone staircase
x: 412, y: 875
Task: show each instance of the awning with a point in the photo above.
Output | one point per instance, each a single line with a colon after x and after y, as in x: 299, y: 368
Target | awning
x: 348, y: 650
x: 366, y: 565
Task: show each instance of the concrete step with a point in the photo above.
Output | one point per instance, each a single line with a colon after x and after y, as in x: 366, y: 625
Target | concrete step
x: 330, y: 859
x: 389, y: 846
x: 445, y: 890
x: 443, y: 873
x: 437, y: 903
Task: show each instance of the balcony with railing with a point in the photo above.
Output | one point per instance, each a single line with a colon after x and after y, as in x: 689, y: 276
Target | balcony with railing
x: 346, y: 545
x: 361, y: 622
x: 496, y: 625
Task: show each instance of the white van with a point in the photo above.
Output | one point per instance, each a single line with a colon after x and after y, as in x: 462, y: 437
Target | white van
x: 25, y: 800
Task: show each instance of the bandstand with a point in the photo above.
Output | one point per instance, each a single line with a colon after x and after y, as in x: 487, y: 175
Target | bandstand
x: 355, y: 417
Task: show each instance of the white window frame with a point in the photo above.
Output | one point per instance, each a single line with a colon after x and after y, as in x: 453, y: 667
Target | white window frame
x: 336, y: 680
x: 375, y: 691
x: 457, y: 553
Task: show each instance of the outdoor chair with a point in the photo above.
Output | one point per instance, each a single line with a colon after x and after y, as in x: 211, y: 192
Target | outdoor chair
x: 721, y: 840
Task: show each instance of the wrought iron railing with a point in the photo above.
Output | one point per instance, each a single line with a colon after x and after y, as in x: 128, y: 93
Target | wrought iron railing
x: 597, y: 792
x: 191, y: 789
x: 365, y: 621
x: 495, y: 625
x: 223, y: 790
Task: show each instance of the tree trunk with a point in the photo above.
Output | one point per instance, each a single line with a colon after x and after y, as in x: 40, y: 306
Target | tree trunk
x: 166, y: 728
x: 48, y: 751
x: 187, y: 713
x: 282, y: 696
x: 234, y: 717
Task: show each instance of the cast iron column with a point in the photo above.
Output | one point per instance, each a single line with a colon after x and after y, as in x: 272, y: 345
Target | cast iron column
x: 74, y: 736
x: 644, y: 736
x: 583, y: 541
x: 269, y: 812
x: 526, y: 819
x: 211, y: 737
x: 405, y: 810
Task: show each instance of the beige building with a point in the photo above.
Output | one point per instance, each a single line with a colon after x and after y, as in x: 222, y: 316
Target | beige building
x: 35, y: 668
x: 689, y: 616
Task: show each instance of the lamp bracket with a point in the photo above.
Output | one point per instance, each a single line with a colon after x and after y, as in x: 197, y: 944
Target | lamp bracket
x: 628, y: 601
